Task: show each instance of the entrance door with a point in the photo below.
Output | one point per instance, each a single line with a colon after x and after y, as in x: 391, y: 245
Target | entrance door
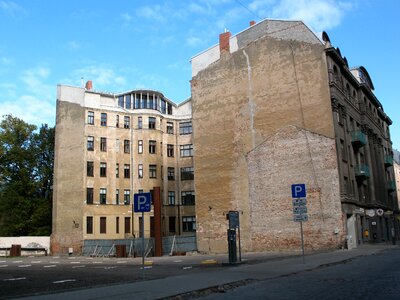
x: 351, y: 232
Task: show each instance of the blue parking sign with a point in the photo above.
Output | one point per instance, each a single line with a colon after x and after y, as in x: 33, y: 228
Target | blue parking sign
x: 298, y: 190
x: 142, y: 202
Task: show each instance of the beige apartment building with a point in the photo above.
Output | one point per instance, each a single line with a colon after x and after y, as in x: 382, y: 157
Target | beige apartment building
x: 274, y: 106
x: 109, y: 147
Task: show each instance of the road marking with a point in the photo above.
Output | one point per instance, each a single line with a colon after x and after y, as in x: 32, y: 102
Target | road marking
x: 178, y: 261
x: 81, y: 266
x: 2, y: 261
x: 71, y: 257
x: 187, y: 268
x: 97, y: 262
x: 75, y: 262
x: 50, y: 266
x: 36, y: 262
x: 14, y: 279
x: 108, y: 268
x: 24, y: 266
x: 56, y: 257
x: 17, y: 261
x: 209, y: 262
x: 3, y: 266
x: 54, y: 262
x: 147, y: 267
x: 66, y: 280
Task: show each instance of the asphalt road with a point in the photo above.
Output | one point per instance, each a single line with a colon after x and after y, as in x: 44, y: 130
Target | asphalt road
x: 367, y: 277
x: 25, y: 276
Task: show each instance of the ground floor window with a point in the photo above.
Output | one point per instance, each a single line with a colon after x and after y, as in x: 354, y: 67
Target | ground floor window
x: 189, y: 224
x: 103, y: 225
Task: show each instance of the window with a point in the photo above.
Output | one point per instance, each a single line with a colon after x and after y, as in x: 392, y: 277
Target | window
x: 117, y: 121
x: 185, y: 127
x: 163, y: 106
x: 188, y: 224
x: 140, y: 146
x: 140, y: 123
x: 137, y: 100
x: 152, y: 147
x: 89, y: 195
x: 89, y: 225
x: 170, y: 150
x: 343, y: 149
x: 140, y: 171
x: 103, y: 121
x: 103, y: 225
x: 90, y: 118
x: 117, y: 196
x: 89, y: 168
x: 171, y: 198
x: 127, y: 197
x: 152, y: 123
x: 117, y: 225
x: 187, y: 173
x: 188, y: 198
x: 103, y: 169
x: 103, y: 196
x: 127, y: 122
x: 121, y: 101
x: 90, y: 143
x: 171, y: 225
x: 127, y: 224
x: 152, y: 171
x: 171, y: 173
x: 117, y: 170
x: 128, y: 101
x: 170, y: 128
x: 126, y: 146
x: 186, y: 150
x: 127, y: 171
x: 169, y: 109
x: 103, y: 144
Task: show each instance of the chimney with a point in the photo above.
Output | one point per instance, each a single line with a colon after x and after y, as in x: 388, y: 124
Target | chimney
x: 252, y: 23
x: 89, y: 85
x: 224, y: 41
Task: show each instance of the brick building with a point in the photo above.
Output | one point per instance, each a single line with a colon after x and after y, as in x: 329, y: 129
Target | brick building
x: 274, y: 106
x: 110, y: 146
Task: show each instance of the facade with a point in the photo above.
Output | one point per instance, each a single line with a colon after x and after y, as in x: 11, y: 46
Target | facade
x: 275, y: 106
x: 396, y: 166
x: 109, y: 147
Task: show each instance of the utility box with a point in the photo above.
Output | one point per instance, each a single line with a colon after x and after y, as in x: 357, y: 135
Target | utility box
x: 15, y: 250
x: 120, y: 251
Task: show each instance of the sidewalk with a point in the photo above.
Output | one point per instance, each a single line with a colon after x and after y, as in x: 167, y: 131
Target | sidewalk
x: 258, y: 267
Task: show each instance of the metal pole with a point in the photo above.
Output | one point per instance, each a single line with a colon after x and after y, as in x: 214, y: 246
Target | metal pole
x: 302, y: 240
x: 142, y: 229
x: 240, y: 247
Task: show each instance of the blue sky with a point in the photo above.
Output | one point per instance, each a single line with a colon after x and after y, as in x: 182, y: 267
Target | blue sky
x: 123, y: 45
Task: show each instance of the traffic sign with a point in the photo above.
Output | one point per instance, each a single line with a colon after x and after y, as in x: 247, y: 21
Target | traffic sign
x: 298, y: 190
x: 299, y: 201
x: 142, y: 202
x: 299, y: 210
x: 300, y: 217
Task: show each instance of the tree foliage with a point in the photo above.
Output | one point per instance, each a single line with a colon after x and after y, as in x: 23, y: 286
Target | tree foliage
x: 26, y: 177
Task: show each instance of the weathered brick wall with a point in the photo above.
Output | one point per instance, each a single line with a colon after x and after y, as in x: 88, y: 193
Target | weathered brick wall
x: 293, y: 156
x: 239, y: 102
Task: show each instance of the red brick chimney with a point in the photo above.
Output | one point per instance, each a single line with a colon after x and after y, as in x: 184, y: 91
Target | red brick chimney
x: 224, y: 41
x: 89, y: 85
x: 252, y: 23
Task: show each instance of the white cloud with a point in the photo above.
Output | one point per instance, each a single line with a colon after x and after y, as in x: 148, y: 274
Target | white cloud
x: 126, y: 17
x: 11, y: 8
x: 5, y: 60
x: 103, y: 77
x: 318, y: 14
x: 193, y: 41
x: 155, y: 13
x: 73, y: 45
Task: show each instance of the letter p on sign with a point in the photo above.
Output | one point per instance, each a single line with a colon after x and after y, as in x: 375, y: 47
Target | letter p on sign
x: 298, y: 190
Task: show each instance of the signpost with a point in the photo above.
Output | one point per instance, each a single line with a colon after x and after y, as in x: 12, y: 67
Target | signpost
x: 299, y: 202
x: 142, y: 203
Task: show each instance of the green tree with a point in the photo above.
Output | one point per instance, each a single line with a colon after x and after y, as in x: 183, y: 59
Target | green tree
x: 26, y: 162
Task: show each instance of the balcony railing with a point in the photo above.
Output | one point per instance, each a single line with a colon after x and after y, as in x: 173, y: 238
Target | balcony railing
x: 388, y: 161
x: 391, y: 186
x: 358, y: 138
x: 361, y: 171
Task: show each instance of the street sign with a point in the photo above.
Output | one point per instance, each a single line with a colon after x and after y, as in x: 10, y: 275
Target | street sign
x: 299, y: 210
x: 299, y: 201
x: 142, y: 202
x: 233, y: 217
x: 298, y: 190
x: 300, y: 218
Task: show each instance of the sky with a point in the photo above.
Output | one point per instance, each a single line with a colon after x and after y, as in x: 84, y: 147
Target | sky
x: 122, y: 45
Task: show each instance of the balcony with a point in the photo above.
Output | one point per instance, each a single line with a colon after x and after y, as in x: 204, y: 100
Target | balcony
x: 391, y: 186
x: 388, y: 161
x: 358, y: 139
x: 361, y: 171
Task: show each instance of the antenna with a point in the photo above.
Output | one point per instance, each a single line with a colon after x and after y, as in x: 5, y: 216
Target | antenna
x: 82, y: 85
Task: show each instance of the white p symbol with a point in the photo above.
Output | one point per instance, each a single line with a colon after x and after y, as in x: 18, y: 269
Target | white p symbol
x: 141, y: 201
x: 297, y: 189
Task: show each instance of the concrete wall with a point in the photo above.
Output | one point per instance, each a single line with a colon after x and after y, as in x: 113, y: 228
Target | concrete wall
x: 26, y: 242
x: 239, y: 102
